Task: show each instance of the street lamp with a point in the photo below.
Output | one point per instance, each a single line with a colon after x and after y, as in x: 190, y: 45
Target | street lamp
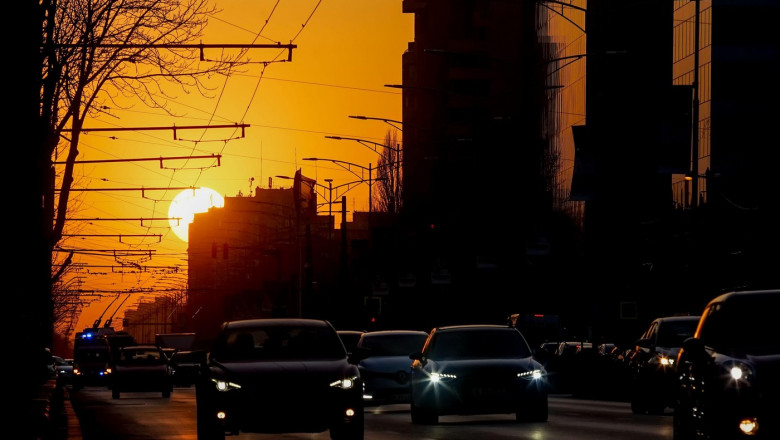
x: 348, y: 166
x: 373, y: 146
x: 390, y: 122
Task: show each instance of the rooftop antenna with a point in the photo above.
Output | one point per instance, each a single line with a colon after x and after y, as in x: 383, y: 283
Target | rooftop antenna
x: 251, y: 181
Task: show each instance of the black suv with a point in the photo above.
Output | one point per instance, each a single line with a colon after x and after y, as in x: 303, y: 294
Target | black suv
x: 651, y: 363
x: 277, y: 376
x: 729, y: 372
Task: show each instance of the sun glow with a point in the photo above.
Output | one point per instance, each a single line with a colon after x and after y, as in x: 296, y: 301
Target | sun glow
x: 186, y: 204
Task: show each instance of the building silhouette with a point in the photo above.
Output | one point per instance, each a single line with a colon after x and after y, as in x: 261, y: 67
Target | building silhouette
x: 474, y: 200
x: 559, y: 157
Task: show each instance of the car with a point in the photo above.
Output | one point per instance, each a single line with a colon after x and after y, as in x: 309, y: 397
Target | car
x: 350, y: 338
x: 477, y: 369
x: 64, y: 369
x: 141, y: 368
x: 729, y: 371
x: 279, y: 375
x: 186, y: 367
x: 563, y: 366
x: 652, y: 373
x: 385, y: 365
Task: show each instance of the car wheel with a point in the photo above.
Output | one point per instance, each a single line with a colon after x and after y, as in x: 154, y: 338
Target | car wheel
x: 639, y: 404
x: 681, y: 428
x: 422, y: 416
x: 114, y: 393
x: 206, y: 422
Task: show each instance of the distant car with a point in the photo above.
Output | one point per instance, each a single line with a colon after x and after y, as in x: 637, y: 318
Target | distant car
x: 652, y: 372
x: 277, y: 376
x: 350, y: 338
x: 64, y: 370
x: 141, y: 368
x: 563, y: 366
x: 477, y: 369
x: 729, y: 371
x: 385, y: 365
x: 186, y: 367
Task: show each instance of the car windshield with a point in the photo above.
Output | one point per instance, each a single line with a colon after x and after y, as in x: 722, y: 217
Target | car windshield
x: 478, y: 344
x: 278, y: 342
x: 393, y: 345
x: 741, y: 326
x: 140, y: 357
x: 673, y: 333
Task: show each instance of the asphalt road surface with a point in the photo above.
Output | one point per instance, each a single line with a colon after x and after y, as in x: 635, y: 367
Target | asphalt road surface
x: 142, y: 416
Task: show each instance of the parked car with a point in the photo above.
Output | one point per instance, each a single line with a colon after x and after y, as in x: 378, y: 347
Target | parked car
x: 729, y: 371
x: 276, y: 376
x: 64, y: 370
x: 186, y: 367
x: 350, y: 338
x: 477, y: 369
x: 651, y: 365
x: 141, y: 368
x: 385, y: 365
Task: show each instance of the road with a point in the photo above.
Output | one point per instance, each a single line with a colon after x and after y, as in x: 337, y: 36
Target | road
x: 142, y: 416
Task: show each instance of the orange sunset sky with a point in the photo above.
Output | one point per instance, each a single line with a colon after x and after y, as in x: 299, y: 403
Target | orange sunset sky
x: 346, y: 52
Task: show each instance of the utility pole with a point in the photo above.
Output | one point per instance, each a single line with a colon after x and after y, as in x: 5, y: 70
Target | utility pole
x: 695, y: 146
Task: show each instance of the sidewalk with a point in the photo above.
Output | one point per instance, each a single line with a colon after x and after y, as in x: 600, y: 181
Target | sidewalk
x: 49, y: 415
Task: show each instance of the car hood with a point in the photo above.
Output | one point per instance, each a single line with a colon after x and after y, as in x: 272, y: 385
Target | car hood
x: 386, y: 364
x: 768, y: 364
x: 483, y: 366
x: 293, y: 371
x: 668, y: 351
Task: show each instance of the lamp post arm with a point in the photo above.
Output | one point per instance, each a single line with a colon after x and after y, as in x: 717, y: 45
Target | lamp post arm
x: 391, y: 122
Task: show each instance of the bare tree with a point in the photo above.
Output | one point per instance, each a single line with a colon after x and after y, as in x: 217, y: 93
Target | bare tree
x: 388, y: 175
x: 101, y: 54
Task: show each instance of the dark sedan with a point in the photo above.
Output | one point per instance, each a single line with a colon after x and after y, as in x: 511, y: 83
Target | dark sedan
x: 141, y: 368
x: 477, y: 369
x: 277, y: 376
x: 729, y: 372
x: 385, y: 364
x: 651, y: 363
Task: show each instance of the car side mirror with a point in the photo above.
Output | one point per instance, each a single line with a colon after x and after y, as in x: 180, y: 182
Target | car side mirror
x: 693, y: 349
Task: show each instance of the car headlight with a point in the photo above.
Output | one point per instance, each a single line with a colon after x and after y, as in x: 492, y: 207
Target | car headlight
x: 345, y: 384
x: 441, y: 377
x: 662, y: 360
x: 223, y: 385
x: 738, y: 371
x: 531, y: 375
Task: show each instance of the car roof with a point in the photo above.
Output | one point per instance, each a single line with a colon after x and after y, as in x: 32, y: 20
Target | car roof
x: 140, y: 347
x: 475, y: 327
x: 678, y: 318
x: 265, y: 322
x: 393, y: 332
x: 744, y: 293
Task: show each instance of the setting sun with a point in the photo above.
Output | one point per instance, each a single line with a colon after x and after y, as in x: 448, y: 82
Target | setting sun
x: 186, y: 204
